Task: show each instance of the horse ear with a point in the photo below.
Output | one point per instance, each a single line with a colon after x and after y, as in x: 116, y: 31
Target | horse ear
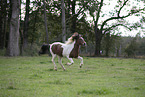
x: 76, y: 34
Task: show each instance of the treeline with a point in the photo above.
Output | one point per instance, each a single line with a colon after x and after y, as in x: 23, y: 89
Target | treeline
x: 25, y: 26
x: 117, y: 46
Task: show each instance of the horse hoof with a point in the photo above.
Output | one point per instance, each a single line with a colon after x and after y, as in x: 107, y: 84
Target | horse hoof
x: 81, y: 65
x: 55, y: 69
x: 68, y: 64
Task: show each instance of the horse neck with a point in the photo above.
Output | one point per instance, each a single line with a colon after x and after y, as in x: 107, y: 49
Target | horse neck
x: 76, y: 47
x: 69, y: 41
x: 75, y: 51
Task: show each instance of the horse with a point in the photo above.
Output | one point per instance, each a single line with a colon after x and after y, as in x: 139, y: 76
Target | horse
x: 69, y: 49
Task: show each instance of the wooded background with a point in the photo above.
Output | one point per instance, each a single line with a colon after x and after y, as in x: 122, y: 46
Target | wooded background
x: 23, y: 31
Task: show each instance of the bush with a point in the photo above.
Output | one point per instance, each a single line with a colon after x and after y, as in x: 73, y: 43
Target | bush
x: 2, y: 52
x: 32, y: 50
x: 131, y: 48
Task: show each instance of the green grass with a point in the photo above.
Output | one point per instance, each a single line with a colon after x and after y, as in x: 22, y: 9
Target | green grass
x: 99, y: 77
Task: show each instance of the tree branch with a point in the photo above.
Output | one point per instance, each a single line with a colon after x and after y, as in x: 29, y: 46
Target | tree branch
x: 98, y: 14
x: 77, y: 14
x: 113, y: 18
x: 80, y: 10
x: 113, y: 26
x: 122, y: 7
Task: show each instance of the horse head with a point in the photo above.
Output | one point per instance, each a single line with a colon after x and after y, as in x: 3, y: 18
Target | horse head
x: 79, y: 39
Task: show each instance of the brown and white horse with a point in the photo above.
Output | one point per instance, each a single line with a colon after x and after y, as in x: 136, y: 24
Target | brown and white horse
x: 69, y: 49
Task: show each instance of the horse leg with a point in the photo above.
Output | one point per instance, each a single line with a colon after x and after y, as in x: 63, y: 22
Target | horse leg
x: 71, y: 60
x: 81, y: 61
x: 53, y: 57
x: 60, y: 62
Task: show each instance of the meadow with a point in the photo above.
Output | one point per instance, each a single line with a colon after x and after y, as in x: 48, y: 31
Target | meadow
x: 99, y: 77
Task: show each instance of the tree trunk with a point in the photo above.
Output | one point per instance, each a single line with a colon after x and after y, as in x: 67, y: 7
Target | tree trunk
x: 98, y: 37
x: 108, y: 44
x: 21, y: 42
x: 63, y: 21
x: 45, y: 20
x: 26, y: 25
x: 13, y: 44
x: 34, y: 28
x: 5, y: 30
x: 98, y: 32
x: 73, y: 28
x: 3, y: 22
x: 21, y: 33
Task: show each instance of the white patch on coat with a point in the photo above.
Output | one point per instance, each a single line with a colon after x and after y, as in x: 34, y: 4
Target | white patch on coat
x: 67, y: 48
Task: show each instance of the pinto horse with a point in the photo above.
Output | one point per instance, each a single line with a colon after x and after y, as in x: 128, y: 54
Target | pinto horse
x: 69, y: 49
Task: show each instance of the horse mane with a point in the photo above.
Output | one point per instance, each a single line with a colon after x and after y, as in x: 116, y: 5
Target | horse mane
x: 69, y: 41
x: 72, y: 38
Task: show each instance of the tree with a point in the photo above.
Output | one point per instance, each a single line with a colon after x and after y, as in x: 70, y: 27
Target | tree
x: 101, y: 28
x: 108, y: 41
x: 13, y: 44
x: 74, y: 16
x: 111, y: 44
x: 63, y: 21
x: 141, y: 50
x: 45, y: 21
x: 5, y: 14
x: 26, y: 25
x: 75, y: 11
x: 131, y: 49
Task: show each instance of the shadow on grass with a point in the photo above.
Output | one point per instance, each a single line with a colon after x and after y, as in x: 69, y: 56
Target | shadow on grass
x: 60, y: 82
x: 95, y: 91
x: 46, y: 62
x: 11, y: 88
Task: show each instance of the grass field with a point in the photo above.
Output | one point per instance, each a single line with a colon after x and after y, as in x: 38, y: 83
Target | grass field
x: 99, y: 77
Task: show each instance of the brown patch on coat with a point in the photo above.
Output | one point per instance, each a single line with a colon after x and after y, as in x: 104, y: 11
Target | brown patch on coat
x: 57, y: 49
x: 75, y: 52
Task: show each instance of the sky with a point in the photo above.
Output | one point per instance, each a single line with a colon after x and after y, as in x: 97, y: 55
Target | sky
x: 106, y: 9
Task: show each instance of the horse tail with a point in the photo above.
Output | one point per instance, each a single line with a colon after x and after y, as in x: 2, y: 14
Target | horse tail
x: 44, y: 49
